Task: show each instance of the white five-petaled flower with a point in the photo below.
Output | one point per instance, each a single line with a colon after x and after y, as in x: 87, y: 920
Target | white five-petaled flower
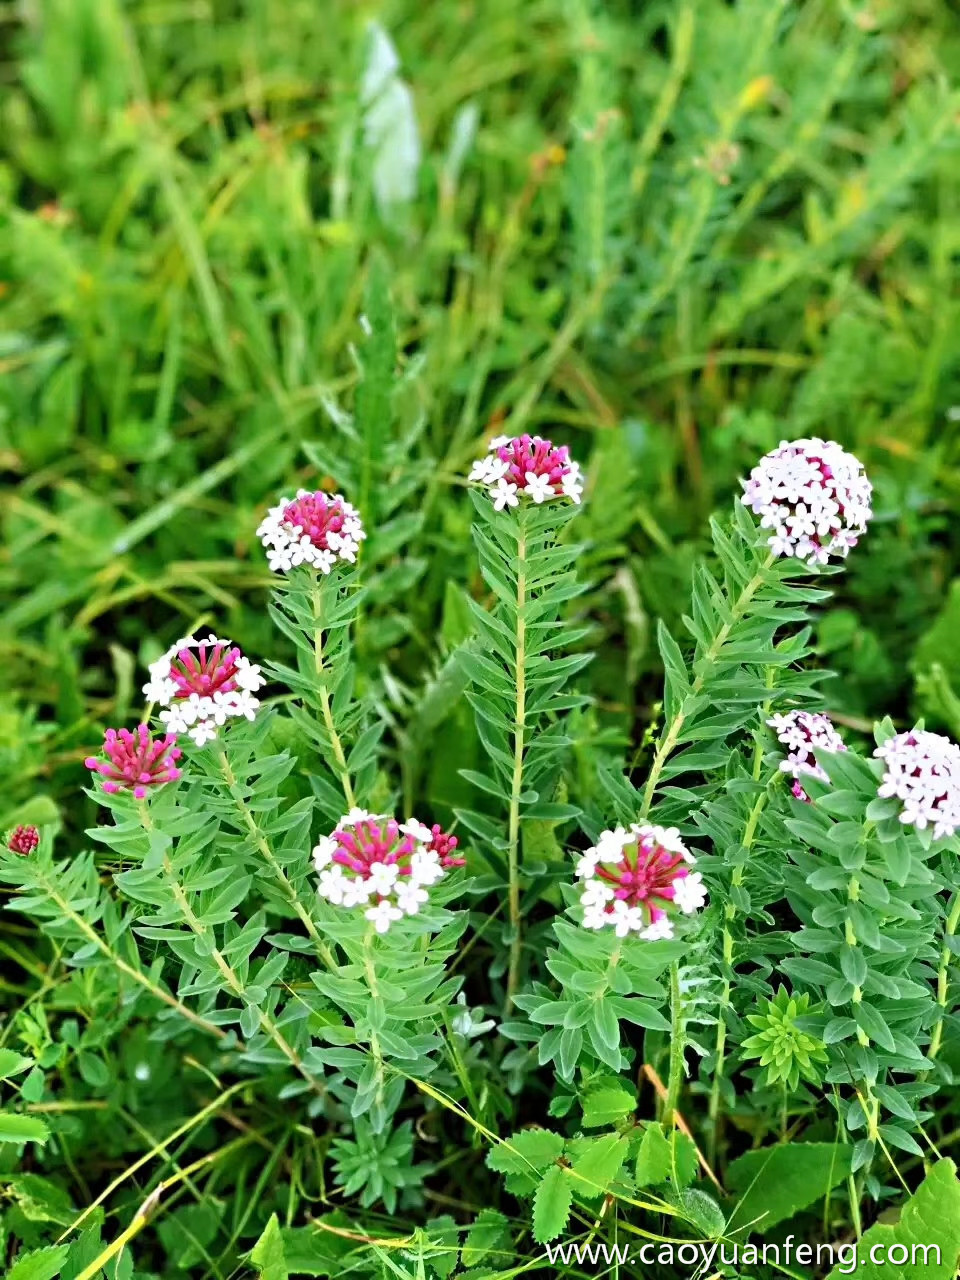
x: 201, y: 684
x: 813, y: 496
x: 504, y: 495
x: 634, y: 881
x: 527, y: 467
x: 803, y: 733
x: 315, y: 528
x: 373, y: 861
x: 922, y: 770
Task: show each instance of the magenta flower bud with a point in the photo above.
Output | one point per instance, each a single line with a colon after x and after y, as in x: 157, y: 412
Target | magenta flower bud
x: 136, y: 761
x: 805, y: 732
x: 636, y: 879
x: 922, y: 770
x: 444, y: 847
x: 317, y: 529
x: 527, y: 467
x: 23, y: 840
x: 813, y: 496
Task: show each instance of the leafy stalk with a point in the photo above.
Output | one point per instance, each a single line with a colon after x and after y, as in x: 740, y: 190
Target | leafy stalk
x: 671, y: 732
x: 676, y: 1072
x: 259, y: 839
x: 35, y: 875
x: 205, y: 938
x: 519, y: 686
x: 943, y: 974
x: 323, y: 693
x: 516, y: 783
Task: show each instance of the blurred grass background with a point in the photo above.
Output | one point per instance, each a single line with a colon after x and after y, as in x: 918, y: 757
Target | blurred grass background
x: 669, y: 233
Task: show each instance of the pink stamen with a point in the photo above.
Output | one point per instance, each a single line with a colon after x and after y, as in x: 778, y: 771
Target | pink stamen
x: 136, y: 762
x: 316, y: 516
x: 539, y: 458
x: 646, y: 874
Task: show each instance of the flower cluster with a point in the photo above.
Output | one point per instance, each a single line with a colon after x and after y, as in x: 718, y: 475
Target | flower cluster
x: 813, y: 496
x: 635, y: 879
x: 373, y: 861
x: 23, y: 840
x: 803, y: 733
x: 922, y: 770
x: 315, y: 528
x: 200, y: 684
x: 527, y: 467
x: 136, y: 761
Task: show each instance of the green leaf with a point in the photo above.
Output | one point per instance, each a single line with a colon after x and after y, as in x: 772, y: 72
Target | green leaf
x: 268, y: 1254
x: 703, y: 1212
x: 665, y: 1159
x: 607, y: 1105
x: 929, y: 1222
x: 489, y: 1230
x: 312, y: 1251
x: 598, y: 1163
x: 551, y: 1204
x: 874, y: 1025
x: 42, y: 1264
x: 11, y: 1063
x: 777, y: 1182
x: 528, y: 1149
x: 17, y: 1128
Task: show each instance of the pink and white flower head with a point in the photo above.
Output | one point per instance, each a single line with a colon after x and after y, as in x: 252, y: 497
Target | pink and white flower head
x: 636, y: 879
x: 136, y: 761
x: 23, y: 840
x: 374, y: 862
x: 316, y: 528
x: 527, y: 467
x: 201, y: 684
x: 813, y: 496
x: 922, y: 770
x: 803, y: 733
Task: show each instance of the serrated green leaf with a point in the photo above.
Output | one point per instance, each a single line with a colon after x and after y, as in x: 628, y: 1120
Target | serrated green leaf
x: 607, y: 1105
x: 18, y: 1128
x: 598, y: 1164
x: 703, y: 1212
x: 526, y: 1150
x: 551, y: 1204
x: 489, y: 1230
x: 929, y: 1223
x: 664, y: 1158
x: 42, y: 1264
x: 11, y: 1063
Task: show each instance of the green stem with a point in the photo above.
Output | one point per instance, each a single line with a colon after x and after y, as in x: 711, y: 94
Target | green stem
x: 671, y: 734
x: 943, y: 976
x: 676, y: 1074
x: 261, y: 842
x: 370, y: 969
x: 335, y: 743
x: 516, y: 787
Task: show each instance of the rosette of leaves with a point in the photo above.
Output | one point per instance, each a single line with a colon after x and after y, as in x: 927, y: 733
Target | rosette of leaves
x: 785, y: 1051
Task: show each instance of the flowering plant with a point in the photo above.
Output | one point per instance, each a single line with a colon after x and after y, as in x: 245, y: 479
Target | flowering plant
x: 748, y: 895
